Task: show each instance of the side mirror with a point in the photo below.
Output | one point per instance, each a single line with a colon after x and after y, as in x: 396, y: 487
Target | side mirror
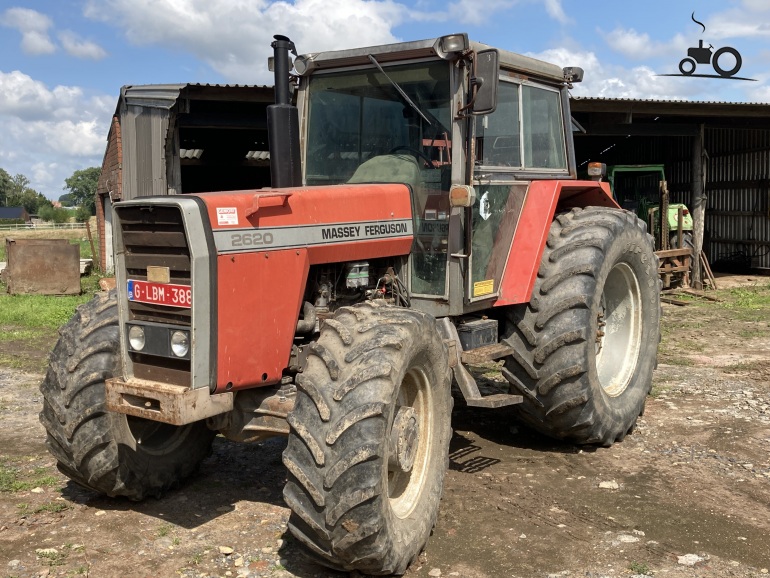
x: 486, y: 79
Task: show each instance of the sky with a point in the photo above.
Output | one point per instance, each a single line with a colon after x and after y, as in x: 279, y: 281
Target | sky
x: 62, y: 62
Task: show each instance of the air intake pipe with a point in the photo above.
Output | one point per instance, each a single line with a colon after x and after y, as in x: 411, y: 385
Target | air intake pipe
x: 283, y: 122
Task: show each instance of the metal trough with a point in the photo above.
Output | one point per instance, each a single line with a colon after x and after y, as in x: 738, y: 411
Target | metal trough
x: 42, y: 267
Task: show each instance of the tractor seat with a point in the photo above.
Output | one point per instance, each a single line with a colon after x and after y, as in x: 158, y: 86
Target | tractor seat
x: 392, y: 168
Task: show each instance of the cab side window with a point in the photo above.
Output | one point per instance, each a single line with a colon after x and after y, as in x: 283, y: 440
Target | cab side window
x: 498, y: 134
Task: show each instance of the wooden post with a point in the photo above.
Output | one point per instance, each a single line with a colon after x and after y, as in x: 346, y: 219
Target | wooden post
x: 698, y: 206
x: 663, y: 244
x: 94, y: 256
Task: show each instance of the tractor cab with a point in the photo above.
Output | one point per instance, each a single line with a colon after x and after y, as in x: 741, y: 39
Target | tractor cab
x: 433, y: 115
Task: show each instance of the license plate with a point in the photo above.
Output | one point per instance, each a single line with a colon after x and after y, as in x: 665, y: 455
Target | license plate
x: 159, y: 293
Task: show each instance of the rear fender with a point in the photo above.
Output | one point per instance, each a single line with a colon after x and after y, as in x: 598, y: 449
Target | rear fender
x: 543, y: 200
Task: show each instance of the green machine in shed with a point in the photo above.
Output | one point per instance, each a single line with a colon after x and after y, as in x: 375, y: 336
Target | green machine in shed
x: 642, y: 189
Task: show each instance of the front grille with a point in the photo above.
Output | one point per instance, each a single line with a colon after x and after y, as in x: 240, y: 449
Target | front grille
x: 155, y: 236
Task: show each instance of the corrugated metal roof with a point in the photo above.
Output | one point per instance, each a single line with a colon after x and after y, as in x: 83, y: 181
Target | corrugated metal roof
x: 667, y: 101
x: 151, y: 95
x: 232, y: 85
x: 165, y: 95
x: 692, y: 108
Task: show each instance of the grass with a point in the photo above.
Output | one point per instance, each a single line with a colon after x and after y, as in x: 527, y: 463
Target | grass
x: 12, y: 480
x: 164, y: 530
x: 75, y: 237
x: 29, y: 324
x: 47, y: 508
x: 196, y: 559
x: 35, y: 312
x: 56, y: 557
x: 746, y: 366
x: 640, y: 568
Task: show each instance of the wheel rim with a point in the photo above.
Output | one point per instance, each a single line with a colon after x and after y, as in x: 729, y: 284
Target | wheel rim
x: 411, y: 412
x: 619, y: 330
x: 155, y: 437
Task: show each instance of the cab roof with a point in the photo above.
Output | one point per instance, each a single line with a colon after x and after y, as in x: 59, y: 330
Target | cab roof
x: 429, y: 49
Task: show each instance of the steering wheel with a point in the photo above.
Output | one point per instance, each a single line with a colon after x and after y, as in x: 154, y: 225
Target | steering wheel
x: 414, y: 152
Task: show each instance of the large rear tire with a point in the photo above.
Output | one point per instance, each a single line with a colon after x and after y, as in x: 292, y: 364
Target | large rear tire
x: 369, y: 440
x: 586, y: 344
x: 107, y: 452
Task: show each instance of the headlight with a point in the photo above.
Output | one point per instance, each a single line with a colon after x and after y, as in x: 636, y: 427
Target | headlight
x: 136, y: 337
x: 180, y: 343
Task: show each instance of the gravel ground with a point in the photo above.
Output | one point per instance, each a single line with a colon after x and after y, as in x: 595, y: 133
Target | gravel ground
x: 686, y: 495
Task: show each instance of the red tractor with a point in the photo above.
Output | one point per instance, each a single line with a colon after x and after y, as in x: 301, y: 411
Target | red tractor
x: 425, y: 213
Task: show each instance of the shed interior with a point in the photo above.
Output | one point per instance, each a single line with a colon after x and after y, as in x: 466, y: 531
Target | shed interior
x: 735, y: 154
x: 222, y: 136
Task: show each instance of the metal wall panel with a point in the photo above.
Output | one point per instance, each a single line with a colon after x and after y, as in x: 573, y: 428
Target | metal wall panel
x: 737, y: 186
x: 737, y: 189
x: 144, y: 151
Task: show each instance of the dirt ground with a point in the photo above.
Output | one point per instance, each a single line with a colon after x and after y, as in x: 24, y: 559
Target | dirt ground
x: 686, y: 495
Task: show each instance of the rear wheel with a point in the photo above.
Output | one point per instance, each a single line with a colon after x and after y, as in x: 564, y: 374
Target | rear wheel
x: 107, y: 452
x: 586, y: 344
x: 369, y: 439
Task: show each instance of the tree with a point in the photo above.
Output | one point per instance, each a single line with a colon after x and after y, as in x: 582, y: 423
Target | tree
x: 6, y: 185
x: 82, y: 214
x: 82, y: 188
x: 22, y: 195
x: 54, y: 214
x: 66, y: 200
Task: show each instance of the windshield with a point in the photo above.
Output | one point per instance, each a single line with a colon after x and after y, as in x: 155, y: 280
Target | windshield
x: 362, y: 129
x: 355, y: 116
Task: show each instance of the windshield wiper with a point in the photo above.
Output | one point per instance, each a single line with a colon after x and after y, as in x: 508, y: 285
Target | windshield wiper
x: 400, y: 90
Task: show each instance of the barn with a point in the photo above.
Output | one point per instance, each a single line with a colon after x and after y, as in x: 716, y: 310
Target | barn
x: 172, y: 139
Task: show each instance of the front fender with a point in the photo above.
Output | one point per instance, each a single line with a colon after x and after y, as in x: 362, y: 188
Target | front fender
x: 543, y: 200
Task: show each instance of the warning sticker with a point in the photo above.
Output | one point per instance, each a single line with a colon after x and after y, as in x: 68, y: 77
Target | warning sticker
x: 483, y: 287
x: 227, y: 216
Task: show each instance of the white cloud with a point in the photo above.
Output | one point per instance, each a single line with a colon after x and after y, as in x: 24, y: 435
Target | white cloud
x: 79, y: 48
x: 33, y: 26
x: 747, y: 21
x: 639, y: 46
x: 240, y: 54
x: 471, y: 12
x: 555, y: 11
x: 48, y: 133
x: 234, y: 38
x: 604, y: 80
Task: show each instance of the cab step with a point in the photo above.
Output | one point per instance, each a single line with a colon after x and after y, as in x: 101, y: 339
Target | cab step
x: 467, y: 383
x: 486, y: 353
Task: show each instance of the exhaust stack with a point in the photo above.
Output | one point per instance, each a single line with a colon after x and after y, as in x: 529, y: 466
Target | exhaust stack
x: 283, y: 122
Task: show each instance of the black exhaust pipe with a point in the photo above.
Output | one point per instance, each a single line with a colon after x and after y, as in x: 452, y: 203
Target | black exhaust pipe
x: 283, y: 122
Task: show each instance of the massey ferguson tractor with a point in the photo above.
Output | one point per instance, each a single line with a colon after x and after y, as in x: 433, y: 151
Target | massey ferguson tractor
x: 425, y: 215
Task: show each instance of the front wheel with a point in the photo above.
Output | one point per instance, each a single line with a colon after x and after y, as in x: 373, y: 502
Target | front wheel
x: 369, y: 441
x: 687, y: 66
x: 110, y: 453
x: 586, y: 344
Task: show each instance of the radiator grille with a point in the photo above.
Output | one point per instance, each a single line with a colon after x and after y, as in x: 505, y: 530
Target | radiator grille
x: 154, y: 235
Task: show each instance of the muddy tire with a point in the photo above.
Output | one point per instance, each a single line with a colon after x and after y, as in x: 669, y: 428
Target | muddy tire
x: 586, y: 344
x: 107, y: 452
x: 369, y: 440
x: 687, y: 241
